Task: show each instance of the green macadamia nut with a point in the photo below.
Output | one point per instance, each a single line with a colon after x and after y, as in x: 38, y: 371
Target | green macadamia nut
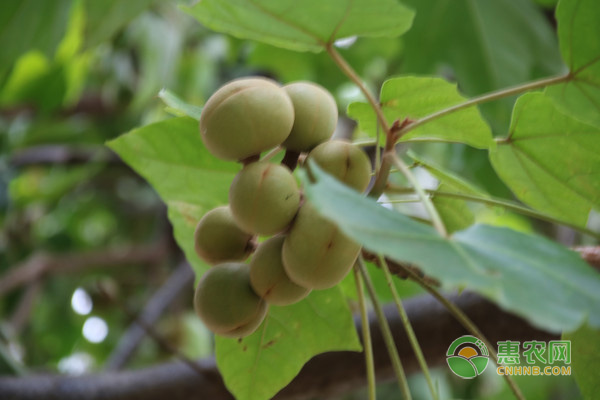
x: 345, y: 161
x: 264, y: 198
x: 246, y: 117
x: 315, y: 119
x: 316, y: 254
x: 218, y: 238
x: 226, y: 303
x: 268, y: 277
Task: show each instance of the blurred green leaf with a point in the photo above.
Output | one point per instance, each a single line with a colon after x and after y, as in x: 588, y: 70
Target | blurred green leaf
x: 415, y: 97
x: 579, y: 38
x: 488, y: 45
x: 307, y: 25
x: 258, y: 366
x: 105, y: 18
x: 159, y: 44
x: 48, y: 185
x: 585, y: 353
x: 30, y: 25
x: 191, y: 181
x: 529, y: 275
x: 179, y: 107
x: 35, y: 82
x: 49, y: 83
x: 550, y: 160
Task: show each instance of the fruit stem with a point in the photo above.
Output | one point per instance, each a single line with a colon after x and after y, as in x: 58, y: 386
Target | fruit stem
x: 366, y: 333
x: 385, y: 331
x: 431, y: 210
x: 466, y: 322
x: 499, y: 94
x: 408, y: 327
x: 290, y: 159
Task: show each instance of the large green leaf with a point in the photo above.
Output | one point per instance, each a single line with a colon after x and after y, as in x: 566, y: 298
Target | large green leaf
x: 488, y: 45
x: 416, y: 97
x: 105, y: 18
x: 306, y: 25
x: 31, y: 24
x: 191, y: 181
x: 550, y: 160
x: 585, y: 355
x: 579, y: 38
x: 529, y: 275
x: 258, y: 366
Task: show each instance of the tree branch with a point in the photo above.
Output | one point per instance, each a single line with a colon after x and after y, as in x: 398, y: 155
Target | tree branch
x: 325, y: 375
x: 63, y: 154
x: 41, y: 264
x: 161, y: 300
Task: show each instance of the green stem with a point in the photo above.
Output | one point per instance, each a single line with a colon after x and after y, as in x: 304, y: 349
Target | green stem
x: 408, y: 327
x: 386, y: 332
x: 499, y: 94
x: 383, y: 170
x: 435, y: 217
x: 466, y: 322
x: 350, y: 73
x: 509, y: 205
x: 366, y: 334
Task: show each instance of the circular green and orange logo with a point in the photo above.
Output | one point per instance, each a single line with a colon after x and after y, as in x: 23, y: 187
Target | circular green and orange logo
x: 467, y: 357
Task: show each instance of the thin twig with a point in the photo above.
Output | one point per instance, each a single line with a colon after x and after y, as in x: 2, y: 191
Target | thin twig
x: 22, y: 313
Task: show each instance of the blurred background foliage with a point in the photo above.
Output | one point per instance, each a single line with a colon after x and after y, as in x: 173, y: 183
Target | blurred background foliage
x: 76, y: 73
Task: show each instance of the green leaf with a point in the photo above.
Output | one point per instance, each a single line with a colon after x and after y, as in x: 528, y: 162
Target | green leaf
x: 179, y: 107
x: 191, y: 181
x: 158, y: 47
x: 258, y: 366
x: 529, y: 275
x: 585, y: 355
x: 485, y: 44
x: 579, y: 38
x: 416, y: 97
x: 550, y: 161
x: 31, y: 24
x: 105, y: 18
x: 307, y: 25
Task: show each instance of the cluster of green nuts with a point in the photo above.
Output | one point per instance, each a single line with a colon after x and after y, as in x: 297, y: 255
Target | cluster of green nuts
x: 302, y: 251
